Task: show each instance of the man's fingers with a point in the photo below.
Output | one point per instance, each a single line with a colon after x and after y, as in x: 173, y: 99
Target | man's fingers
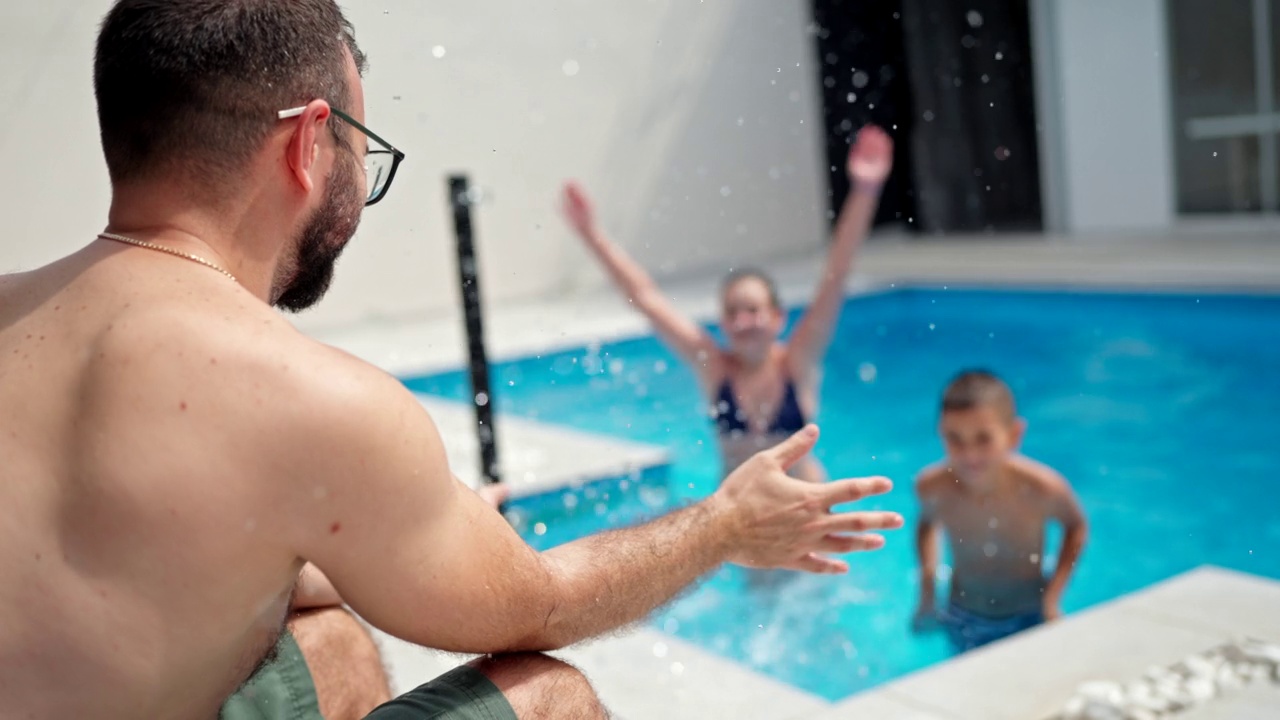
x: 850, y: 543
x: 843, y: 491
x: 862, y: 521
x: 817, y: 564
x: 789, y: 451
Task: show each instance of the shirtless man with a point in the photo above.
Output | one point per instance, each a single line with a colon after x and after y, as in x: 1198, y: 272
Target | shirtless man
x: 994, y: 505
x: 174, y: 451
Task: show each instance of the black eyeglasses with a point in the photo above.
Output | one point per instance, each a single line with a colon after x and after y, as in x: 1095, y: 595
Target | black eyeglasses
x: 379, y: 165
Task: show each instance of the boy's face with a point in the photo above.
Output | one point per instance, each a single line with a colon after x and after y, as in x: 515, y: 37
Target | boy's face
x: 979, y: 439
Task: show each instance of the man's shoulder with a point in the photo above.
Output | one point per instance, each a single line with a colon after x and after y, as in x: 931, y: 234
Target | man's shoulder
x: 252, y: 358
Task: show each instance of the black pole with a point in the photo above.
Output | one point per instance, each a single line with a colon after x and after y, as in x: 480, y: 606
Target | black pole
x: 468, y: 280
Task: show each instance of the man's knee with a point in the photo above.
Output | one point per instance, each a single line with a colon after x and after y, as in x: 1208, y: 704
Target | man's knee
x: 540, y: 686
x: 344, y: 662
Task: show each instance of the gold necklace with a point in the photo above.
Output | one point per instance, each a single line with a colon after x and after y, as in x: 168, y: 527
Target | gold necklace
x: 163, y: 249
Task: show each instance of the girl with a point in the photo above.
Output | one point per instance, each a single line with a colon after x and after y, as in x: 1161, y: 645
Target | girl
x: 761, y: 389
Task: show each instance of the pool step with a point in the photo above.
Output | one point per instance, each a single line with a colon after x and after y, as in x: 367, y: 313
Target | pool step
x: 537, y: 457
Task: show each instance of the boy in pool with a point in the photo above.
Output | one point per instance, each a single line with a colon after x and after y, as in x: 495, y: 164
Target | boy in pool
x: 993, y: 505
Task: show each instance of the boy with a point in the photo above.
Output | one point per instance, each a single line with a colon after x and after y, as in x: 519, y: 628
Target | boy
x: 994, y: 505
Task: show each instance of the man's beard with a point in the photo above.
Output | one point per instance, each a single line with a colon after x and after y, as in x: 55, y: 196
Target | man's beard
x: 320, y: 243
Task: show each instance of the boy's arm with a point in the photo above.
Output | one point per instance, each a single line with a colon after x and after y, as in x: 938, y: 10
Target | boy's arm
x: 1065, y: 508
x: 927, y: 554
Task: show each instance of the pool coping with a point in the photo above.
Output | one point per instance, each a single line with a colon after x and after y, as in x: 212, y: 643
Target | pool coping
x: 644, y: 673
x: 1031, y: 676
x: 417, y: 345
x: 537, y: 457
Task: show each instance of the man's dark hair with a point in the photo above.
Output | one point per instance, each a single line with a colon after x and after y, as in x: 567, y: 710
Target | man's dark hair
x: 195, y: 85
x: 979, y: 388
x: 738, y: 274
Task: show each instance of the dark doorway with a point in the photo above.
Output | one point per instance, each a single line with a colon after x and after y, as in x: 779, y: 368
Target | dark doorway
x: 863, y: 80
x: 957, y: 81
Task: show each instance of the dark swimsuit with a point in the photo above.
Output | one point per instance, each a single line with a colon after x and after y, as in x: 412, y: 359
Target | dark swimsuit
x: 731, y: 420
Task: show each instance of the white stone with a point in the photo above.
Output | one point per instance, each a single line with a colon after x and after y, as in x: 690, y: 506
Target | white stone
x: 1102, y: 711
x: 1228, y: 679
x: 1074, y: 709
x: 1261, y: 652
x: 1201, y: 689
x: 1101, y: 691
x: 1200, y: 667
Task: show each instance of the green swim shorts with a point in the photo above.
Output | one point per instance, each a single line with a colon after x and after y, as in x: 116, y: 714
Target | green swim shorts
x: 283, y: 690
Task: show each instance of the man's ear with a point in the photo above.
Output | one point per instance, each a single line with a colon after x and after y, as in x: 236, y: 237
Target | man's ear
x: 303, y: 148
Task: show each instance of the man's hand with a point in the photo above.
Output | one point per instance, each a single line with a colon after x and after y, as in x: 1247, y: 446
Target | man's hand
x: 777, y: 521
x: 871, y: 157
x: 578, y: 211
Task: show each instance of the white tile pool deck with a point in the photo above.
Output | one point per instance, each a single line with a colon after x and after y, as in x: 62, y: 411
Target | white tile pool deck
x: 644, y: 673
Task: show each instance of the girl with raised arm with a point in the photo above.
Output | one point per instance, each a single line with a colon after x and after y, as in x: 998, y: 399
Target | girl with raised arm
x: 761, y: 389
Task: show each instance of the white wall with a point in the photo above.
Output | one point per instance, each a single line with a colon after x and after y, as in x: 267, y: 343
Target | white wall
x: 696, y: 125
x: 1109, y: 144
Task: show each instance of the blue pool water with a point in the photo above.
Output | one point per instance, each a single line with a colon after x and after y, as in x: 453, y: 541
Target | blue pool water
x: 1160, y: 409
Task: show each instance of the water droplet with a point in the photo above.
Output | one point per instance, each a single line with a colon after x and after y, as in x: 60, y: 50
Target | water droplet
x: 989, y: 549
x: 999, y: 56
x: 867, y: 372
x: 1002, y: 153
x: 671, y: 625
x: 570, y: 501
x: 540, y: 529
x: 932, y: 326
x: 725, y: 191
x: 993, y: 523
x: 741, y: 121
x: 437, y: 52
x: 975, y: 18
x: 482, y: 399
x: 660, y: 367
x: 1034, y: 557
x: 860, y: 79
x: 320, y: 492
x: 660, y: 650
x: 570, y: 67
x: 851, y: 98
x: 677, y: 668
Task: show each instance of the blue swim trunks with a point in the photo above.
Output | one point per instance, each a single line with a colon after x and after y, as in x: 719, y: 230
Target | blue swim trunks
x: 969, y: 630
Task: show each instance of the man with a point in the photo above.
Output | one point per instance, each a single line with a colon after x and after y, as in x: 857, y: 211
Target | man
x: 174, y: 450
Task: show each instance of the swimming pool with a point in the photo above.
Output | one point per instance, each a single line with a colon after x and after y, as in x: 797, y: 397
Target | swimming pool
x: 1160, y: 409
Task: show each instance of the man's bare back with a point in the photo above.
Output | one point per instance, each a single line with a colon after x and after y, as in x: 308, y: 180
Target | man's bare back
x: 996, y: 538
x: 142, y: 484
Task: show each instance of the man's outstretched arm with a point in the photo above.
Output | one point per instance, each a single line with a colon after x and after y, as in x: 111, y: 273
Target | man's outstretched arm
x: 426, y: 560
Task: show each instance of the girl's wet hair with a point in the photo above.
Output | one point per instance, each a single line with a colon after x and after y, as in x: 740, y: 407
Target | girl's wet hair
x: 751, y: 273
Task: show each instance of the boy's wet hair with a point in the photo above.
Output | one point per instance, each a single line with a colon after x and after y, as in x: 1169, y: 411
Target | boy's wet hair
x: 978, y: 388
x: 751, y: 273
